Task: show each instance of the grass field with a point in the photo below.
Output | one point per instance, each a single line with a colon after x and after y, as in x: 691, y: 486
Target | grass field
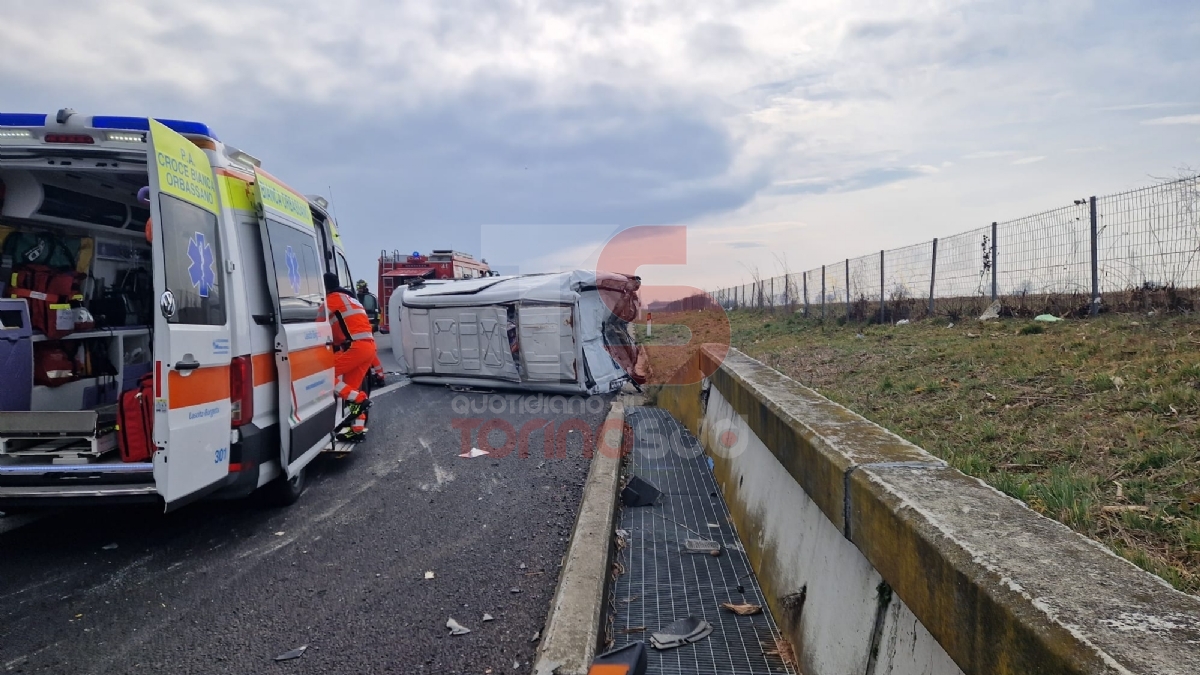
x: 1093, y: 422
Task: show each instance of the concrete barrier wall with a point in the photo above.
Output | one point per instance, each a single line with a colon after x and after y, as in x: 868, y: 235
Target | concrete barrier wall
x: 878, y: 558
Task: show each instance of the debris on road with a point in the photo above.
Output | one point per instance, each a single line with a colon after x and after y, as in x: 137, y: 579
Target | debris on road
x: 744, y: 609
x: 108, y: 547
x: 680, y: 633
x: 632, y: 656
x: 992, y: 312
x: 294, y: 654
x: 1047, y: 317
x: 456, y: 628
x: 429, y: 574
x: 638, y: 492
x: 701, y: 546
x: 488, y: 617
x: 903, y: 322
x: 536, y: 636
x: 514, y: 590
x: 473, y: 453
x: 783, y: 649
x: 279, y: 534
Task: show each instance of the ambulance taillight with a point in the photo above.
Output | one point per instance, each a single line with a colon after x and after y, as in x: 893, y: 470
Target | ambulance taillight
x: 241, y: 390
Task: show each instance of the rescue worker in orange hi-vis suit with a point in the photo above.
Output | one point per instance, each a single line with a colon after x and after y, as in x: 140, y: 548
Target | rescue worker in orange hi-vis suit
x: 378, y: 373
x: 361, y: 291
x: 354, y: 348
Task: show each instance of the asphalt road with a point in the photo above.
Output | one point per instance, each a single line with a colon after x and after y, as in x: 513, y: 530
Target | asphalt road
x: 223, y: 587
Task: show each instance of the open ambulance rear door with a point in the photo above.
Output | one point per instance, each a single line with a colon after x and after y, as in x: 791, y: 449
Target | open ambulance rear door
x: 191, y: 328
x: 303, y: 337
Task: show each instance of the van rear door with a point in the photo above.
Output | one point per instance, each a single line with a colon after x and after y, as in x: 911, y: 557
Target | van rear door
x: 191, y: 328
x: 303, y: 337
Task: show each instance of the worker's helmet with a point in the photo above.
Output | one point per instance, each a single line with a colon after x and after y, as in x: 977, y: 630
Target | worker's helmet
x: 361, y: 286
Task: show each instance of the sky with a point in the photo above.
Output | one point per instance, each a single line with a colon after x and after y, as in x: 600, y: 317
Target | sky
x: 782, y: 135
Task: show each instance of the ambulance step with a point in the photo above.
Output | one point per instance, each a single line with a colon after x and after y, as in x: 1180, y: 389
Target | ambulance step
x: 340, y: 447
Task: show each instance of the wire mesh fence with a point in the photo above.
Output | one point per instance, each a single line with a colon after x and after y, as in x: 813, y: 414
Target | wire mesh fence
x: 1138, y: 249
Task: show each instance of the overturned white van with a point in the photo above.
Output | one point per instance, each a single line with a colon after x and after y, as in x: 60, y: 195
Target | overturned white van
x: 566, y: 332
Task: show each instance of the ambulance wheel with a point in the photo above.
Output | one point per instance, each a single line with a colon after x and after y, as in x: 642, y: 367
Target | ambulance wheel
x: 284, y: 491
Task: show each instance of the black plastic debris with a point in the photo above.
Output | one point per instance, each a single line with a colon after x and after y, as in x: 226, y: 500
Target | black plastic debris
x: 638, y: 492
x: 294, y: 654
x: 632, y: 655
x: 680, y: 633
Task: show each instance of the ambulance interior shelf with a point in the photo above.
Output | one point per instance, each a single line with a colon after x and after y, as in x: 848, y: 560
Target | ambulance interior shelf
x: 75, y: 422
x: 128, y: 351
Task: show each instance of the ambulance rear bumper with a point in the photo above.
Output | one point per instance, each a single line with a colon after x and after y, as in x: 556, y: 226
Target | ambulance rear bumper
x: 58, y: 485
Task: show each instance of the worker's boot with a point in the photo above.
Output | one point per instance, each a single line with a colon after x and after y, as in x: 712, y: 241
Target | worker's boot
x: 358, y: 427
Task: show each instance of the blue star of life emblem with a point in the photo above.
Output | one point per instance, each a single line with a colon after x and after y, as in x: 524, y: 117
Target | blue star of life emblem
x: 293, y: 266
x: 202, y: 270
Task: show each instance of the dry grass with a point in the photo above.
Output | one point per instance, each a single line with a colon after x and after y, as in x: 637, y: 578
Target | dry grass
x: 1071, y: 417
x: 676, y: 336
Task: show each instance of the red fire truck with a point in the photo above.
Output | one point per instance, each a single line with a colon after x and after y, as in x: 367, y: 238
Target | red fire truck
x: 396, y: 269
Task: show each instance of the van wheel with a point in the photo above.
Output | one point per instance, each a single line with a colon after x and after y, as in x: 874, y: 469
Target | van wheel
x: 285, y: 492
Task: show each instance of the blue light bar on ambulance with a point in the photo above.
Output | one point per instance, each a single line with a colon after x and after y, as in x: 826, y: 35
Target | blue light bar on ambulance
x: 22, y: 120
x: 143, y: 124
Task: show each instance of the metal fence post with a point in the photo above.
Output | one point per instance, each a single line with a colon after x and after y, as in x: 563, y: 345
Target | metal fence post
x: 772, y: 303
x: 805, y: 282
x: 822, y: 292
x: 882, y: 302
x: 847, y: 277
x: 1095, y: 308
x: 994, y: 267
x: 932, y: 276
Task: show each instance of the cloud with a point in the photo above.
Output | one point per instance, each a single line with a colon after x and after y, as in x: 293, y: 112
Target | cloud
x: 1179, y: 119
x: 1142, y: 106
x: 433, y: 118
x: 990, y: 154
x: 877, y: 29
x: 861, y: 180
x: 717, y: 42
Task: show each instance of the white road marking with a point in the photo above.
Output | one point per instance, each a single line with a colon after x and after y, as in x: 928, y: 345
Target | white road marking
x: 391, y: 387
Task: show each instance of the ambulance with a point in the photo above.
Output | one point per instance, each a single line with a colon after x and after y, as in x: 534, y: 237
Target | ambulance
x: 197, y: 276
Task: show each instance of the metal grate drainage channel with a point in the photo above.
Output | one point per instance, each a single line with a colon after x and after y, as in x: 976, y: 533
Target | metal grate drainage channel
x: 661, y: 583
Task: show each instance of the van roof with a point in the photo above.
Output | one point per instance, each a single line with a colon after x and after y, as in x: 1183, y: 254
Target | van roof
x: 114, y: 122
